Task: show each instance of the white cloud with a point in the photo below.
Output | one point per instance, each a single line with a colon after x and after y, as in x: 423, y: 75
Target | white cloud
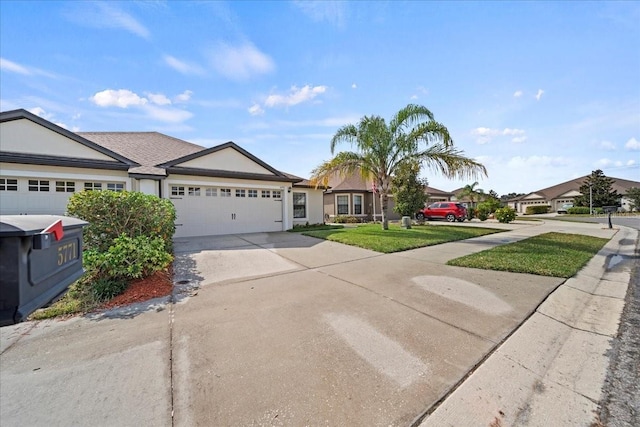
x: 539, y: 94
x: 183, y: 97
x: 414, y: 97
x: 155, y: 107
x: 256, y: 110
x: 106, y: 15
x: 607, y: 145
x: 354, y: 86
x: 324, y: 10
x: 519, y: 162
x: 517, y: 94
x: 40, y: 112
x: 632, y: 144
x: 295, y: 96
x: 486, y: 134
x: 158, y: 99
x: 631, y: 162
x: 240, y: 62
x: 122, y: 98
x: 182, y: 66
x: 6, y: 65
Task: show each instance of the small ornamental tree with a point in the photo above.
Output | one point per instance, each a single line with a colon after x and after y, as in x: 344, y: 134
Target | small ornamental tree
x: 597, y: 191
x: 633, y: 194
x: 505, y: 215
x: 408, y: 189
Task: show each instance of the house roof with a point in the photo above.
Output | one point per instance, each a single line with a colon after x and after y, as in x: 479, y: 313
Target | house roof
x: 148, y: 149
x: 555, y: 191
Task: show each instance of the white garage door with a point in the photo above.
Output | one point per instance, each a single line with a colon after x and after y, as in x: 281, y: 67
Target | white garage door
x: 205, y: 211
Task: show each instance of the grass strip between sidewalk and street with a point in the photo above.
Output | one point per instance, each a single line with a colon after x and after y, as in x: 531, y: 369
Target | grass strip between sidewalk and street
x: 549, y: 254
x: 396, y: 238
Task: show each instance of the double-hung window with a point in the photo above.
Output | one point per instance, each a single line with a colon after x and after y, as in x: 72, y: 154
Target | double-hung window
x: 299, y: 205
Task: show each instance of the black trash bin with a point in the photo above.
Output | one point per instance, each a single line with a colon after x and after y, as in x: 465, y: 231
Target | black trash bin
x: 36, y: 266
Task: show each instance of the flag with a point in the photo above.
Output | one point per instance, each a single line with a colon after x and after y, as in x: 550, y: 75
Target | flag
x: 56, y: 229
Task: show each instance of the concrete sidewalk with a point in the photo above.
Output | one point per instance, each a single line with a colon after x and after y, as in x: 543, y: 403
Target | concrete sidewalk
x: 283, y: 329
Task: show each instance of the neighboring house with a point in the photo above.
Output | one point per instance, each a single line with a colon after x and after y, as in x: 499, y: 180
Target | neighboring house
x: 218, y: 190
x: 557, y: 195
x: 353, y: 196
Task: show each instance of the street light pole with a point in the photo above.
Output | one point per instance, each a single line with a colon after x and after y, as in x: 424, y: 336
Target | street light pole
x: 590, y: 200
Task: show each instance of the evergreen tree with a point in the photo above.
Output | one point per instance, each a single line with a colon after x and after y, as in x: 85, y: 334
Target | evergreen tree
x: 601, y: 192
x: 408, y: 189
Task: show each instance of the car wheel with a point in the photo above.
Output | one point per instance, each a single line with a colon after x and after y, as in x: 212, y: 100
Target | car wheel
x: 420, y: 216
x: 451, y: 217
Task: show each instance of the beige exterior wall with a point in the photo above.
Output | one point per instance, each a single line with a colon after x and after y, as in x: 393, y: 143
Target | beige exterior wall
x: 227, y: 160
x: 25, y: 136
x: 314, y: 211
x: 52, y: 201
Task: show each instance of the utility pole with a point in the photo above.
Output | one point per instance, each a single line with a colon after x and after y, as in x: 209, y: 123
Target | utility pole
x: 590, y: 200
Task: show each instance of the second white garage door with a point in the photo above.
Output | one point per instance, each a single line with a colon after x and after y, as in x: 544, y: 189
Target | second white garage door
x: 203, y: 211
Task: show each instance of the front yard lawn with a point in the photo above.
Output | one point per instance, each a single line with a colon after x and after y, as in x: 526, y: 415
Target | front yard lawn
x: 549, y: 254
x: 396, y: 238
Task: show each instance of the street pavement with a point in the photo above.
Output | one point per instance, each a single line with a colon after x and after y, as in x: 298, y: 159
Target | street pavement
x: 283, y: 329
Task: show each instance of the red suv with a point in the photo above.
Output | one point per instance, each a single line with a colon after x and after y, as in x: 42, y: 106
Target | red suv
x: 443, y: 210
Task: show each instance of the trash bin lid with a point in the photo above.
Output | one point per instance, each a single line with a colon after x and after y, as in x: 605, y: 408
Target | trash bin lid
x: 27, y: 225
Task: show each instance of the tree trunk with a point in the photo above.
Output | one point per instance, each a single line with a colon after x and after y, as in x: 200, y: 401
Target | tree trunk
x: 384, y: 199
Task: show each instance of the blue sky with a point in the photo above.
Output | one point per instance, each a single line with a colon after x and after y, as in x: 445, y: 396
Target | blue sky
x: 540, y: 92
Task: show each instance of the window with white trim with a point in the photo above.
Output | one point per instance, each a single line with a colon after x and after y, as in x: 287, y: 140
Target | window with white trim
x: 177, y: 190
x: 240, y: 192
x: 65, y: 187
x: 225, y: 192
x: 8, y: 184
x: 266, y: 194
x: 193, y: 191
x: 211, y: 192
x: 277, y: 194
x: 342, y: 204
x: 252, y: 193
x: 299, y: 205
x: 115, y: 186
x: 38, y: 185
x: 96, y: 186
x: 357, y: 204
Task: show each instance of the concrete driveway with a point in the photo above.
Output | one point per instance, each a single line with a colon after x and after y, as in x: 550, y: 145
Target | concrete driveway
x: 274, y: 329
x: 291, y: 330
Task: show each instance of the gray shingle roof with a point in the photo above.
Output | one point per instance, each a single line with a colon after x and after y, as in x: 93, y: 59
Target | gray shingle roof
x: 145, y: 148
x: 555, y: 191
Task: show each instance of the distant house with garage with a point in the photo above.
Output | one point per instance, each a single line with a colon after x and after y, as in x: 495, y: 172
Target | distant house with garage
x: 352, y: 195
x: 218, y: 190
x: 556, y: 196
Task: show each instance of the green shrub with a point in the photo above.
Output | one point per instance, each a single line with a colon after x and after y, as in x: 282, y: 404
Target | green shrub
x: 483, y: 212
x: 505, y: 215
x: 128, y: 258
x: 537, y: 209
x: 111, y: 214
x: 105, y: 288
x: 346, y: 219
x: 578, y: 210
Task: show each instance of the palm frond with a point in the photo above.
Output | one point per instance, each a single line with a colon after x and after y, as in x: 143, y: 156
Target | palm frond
x: 450, y: 162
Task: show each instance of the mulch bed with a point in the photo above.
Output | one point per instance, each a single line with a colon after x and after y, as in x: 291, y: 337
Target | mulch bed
x: 157, y: 285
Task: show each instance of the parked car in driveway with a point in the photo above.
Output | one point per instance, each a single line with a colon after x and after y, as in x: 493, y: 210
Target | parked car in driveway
x: 564, y: 208
x: 443, y: 210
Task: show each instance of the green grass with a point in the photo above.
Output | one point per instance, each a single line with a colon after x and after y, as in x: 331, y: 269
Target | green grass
x: 549, y: 254
x: 396, y: 238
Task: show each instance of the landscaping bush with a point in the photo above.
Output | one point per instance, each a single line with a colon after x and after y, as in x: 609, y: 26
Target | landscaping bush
x: 483, y: 212
x: 505, y: 215
x: 111, y: 214
x: 346, y: 219
x: 537, y: 209
x: 578, y: 210
x: 129, y: 258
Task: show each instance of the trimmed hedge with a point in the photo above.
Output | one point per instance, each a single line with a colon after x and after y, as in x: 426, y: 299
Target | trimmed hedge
x: 346, y: 219
x: 537, y: 209
x: 578, y: 210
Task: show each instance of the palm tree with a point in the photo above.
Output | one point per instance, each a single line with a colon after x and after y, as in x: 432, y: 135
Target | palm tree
x: 472, y: 193
x: 381, y: 148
